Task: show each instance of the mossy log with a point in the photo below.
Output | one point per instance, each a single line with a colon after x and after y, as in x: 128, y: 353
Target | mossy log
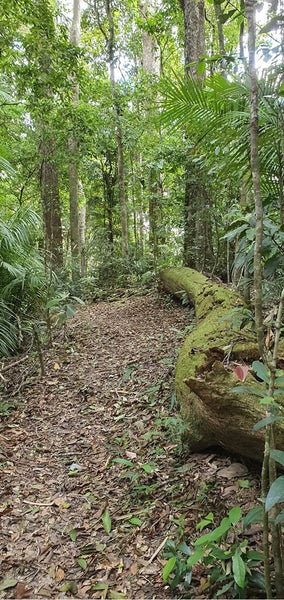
x: 205, y: 371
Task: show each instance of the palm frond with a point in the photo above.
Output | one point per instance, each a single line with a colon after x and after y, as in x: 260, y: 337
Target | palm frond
x: 8, y: 330
x: 6, y: 167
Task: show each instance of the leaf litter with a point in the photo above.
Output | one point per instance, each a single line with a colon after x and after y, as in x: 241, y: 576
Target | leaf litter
x: 94, y: 478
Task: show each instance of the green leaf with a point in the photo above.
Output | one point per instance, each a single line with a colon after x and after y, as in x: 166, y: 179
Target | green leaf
x: 214, y: 535
x: 135, y: 521
x: 183, y: 547
x: 242, y: 389
x: 254, y: 555
x: 201, y: 67
x: 147, y: 467
x: 235, y: 515
x: 275, y: 494
x: 264, y: 422
x: 206, y: 521
x: 260, y: 370
x: 106, y: 521
x: 224, y: 589
x: 239, y: 570
x: 195, y: 557
x: 244, y: 483
x: 280, y: 517
x: 8, y: 583
x: 169, y: 566
x: 267, y: 400
x: 73, y: 535
x: 82, y: 563
x: 118, y: 418
x: 255, y: 515
x: 277, y: 455
x: 123, y: 461
x: 99, y: 586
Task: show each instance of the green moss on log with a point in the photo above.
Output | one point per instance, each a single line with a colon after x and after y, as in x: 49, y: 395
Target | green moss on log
x: 205, y: 369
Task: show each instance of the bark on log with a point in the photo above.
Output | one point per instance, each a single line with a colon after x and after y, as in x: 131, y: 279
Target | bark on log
x: 205, y: 371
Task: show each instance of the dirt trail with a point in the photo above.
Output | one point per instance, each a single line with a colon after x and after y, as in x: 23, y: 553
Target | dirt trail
x: 73, y: 522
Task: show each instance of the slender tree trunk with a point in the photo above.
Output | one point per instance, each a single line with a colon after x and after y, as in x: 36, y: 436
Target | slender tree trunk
x: 51, y: 204
x: 218, y: 16
x: 151, y: 66
x: 50, y: 197
x: 82, y: 232
x: 241, y: 34
x: 109, y: 182
x: 119, y: 135
x: 221, y: 42
x: 74, y: 160
x: 254, y: 159
x: 153, y: 216
x: 269, y: 470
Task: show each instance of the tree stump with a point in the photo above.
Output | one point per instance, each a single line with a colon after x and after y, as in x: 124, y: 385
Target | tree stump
x: 205, y: 371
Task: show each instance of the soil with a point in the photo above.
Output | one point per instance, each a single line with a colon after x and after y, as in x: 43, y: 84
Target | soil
x: 94, y: 476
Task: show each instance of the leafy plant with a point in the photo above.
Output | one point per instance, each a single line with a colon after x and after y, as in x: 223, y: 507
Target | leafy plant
x: 176, y: 570
x: 62, y: 306
x: 21, y: 273
x: 232, y: 565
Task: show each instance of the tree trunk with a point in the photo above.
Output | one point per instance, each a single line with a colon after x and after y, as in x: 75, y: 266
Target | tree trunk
x: 150, y: 49
x: 82, y: 239
x: 196, y: 212
x: 151, y: 66
x: 194, y: 31
x: 51, y: 204
x: 254, y: 161
x: 109, y: 179
x: 205, y: 371
x: 74, y: 160
x: 110, y: 38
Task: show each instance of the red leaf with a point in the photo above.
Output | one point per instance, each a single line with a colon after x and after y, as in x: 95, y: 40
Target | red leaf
x: 241, y: 372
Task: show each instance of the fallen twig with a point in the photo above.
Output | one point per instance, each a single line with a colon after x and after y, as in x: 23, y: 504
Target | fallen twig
x: 158, y: 550
x: 38, y: 503
x: 17, y: 362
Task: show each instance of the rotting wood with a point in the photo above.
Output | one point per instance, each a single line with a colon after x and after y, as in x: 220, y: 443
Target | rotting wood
x: 205, y: 371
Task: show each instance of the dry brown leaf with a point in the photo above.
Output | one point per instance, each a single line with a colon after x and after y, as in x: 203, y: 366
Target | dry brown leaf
x: 59, y: 575
x: 59, y: 501
x: 234, y: 470
x: 22, y: 591
x: 134, y: 568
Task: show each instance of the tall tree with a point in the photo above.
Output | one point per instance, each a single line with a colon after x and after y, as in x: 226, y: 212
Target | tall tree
x: 109, y: 33
x: 44, y: 31
x: 151, y: 66
x: 119, y: 133
x: 198, y: 251
x: 74, y: 157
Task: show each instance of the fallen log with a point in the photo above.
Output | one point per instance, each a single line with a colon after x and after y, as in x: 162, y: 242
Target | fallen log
x: 205, y: 372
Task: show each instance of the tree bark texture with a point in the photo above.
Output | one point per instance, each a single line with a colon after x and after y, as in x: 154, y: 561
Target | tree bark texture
x: 110, y: 38
x: 196, y: 212
x: 205, y: 371
x: 150, y: 49
x: 74, y: 159
x: 194, y: 30
x: 250, y: 6
x: 51, y: 204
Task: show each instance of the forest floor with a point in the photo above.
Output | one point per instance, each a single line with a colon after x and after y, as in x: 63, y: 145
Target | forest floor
x: 94, y: 478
